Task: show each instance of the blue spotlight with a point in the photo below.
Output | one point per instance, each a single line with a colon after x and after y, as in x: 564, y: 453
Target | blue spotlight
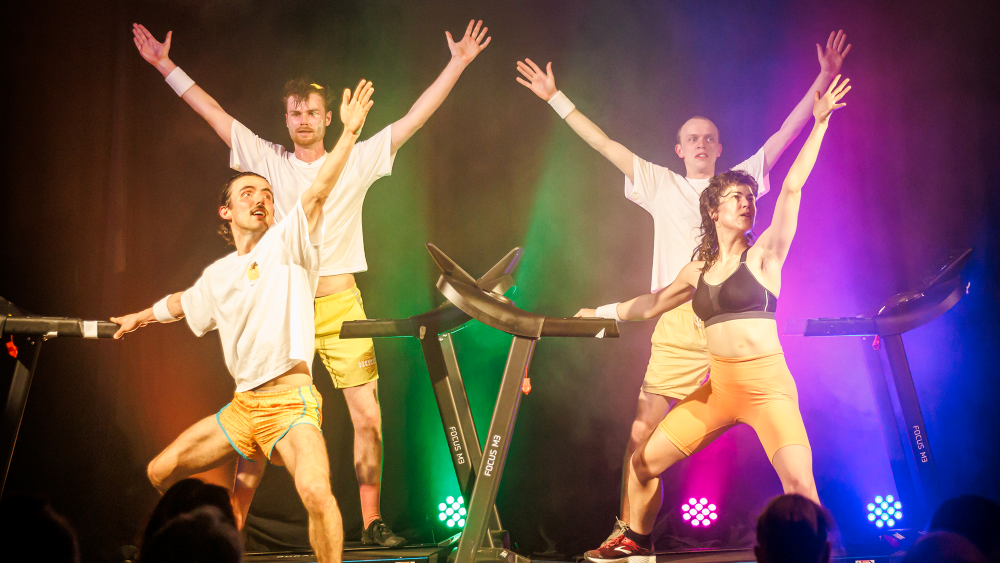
x: 885, y: 511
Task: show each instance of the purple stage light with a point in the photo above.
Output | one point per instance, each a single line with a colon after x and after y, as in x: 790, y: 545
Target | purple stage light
x: 699, y: 512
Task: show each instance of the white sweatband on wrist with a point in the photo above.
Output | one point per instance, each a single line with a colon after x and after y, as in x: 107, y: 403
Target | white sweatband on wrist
x: 609, y: 311
x: 179, y: 81
x: 561, y: 104
x: 161, y: 312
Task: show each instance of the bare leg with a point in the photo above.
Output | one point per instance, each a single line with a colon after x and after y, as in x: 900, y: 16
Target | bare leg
x: 644, y: 487
x: 304, y: 452
x: 794, y: 466
x: 201, y: 447
x: 366, y: 415
x: 248, y: 476
x: 649, y: 412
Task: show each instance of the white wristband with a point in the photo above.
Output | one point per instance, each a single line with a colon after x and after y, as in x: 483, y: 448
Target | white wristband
x: 161, y: 312
x: 561, y: 104
x: 179, y: 81
x: 609, y: 311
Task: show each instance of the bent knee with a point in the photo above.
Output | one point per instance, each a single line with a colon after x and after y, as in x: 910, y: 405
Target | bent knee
x: 158, y: 471
x: 641, y: 430
x: 641, y: 469
x: 803, y: 484
x: 316, y: 495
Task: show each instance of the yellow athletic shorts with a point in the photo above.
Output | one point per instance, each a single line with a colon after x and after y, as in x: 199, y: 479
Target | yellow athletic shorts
x: 678, y: 361
x: 350, y: 361
x: 256, y: 420
x: 758, y: 391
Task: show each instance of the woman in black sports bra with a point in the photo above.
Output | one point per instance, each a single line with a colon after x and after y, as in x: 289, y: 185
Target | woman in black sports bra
x: 734, y: 285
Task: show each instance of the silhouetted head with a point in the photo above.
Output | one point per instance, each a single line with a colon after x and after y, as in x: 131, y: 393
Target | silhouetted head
x: 943, y: 547
x: 792, y: 529
x: 204, y: 535
x: 975, y: 518
x: 187, y: 495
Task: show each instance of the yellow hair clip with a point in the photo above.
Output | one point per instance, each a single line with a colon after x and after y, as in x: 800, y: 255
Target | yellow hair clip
x: 316, y: 86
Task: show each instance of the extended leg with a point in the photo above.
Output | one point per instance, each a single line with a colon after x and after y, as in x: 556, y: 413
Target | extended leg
x: 248, y: 476
x: 201, y: 447
x: 366, y: 415
x: 650, y: 411
x: 304, y: 452
x: 644, y: 487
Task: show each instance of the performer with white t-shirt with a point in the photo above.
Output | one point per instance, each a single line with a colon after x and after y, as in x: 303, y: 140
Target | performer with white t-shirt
x: 679, y: 361
x: 351, y: 363
x: 260, y: 299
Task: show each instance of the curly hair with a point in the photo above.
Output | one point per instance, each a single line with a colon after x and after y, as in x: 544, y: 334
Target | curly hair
x: 708, y: 248
x: 299, y: 89
x: 225, y: 200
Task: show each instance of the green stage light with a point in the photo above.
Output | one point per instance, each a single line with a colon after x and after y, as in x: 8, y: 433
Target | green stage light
x: 452, y: 512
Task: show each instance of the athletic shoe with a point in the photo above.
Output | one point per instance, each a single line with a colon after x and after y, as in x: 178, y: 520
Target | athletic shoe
x: 378, y: 533
x: 619, y: 530
x: 621, y: 550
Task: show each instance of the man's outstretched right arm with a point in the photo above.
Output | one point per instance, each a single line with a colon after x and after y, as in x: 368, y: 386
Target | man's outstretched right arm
x: 156, y: 54
x: 543, y: 84
x: 166, y: 310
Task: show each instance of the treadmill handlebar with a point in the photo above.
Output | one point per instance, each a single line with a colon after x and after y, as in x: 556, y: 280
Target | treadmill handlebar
x: 578, y: 327
x: 58, y: 326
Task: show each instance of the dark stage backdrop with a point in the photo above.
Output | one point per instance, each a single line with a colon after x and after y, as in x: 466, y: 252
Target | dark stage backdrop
x: 110, y: 182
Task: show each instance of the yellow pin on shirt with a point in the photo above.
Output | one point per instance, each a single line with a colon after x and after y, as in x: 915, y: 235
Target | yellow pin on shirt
x: 253, y: 273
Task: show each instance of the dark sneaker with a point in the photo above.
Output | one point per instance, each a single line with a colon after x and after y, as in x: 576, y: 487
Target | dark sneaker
x: 377, y: 533
x: 621, y: 550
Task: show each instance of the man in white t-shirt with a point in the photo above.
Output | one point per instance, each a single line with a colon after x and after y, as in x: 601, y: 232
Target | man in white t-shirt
x: 678, y: 362
x: 260, y: 299
x: 351, y: 363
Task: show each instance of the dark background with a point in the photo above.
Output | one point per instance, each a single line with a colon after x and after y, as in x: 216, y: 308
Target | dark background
x: 109, y: 190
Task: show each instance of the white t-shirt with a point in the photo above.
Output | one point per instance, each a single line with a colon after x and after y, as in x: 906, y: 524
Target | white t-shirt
x: 262, y: 302
x: 343, y: 245
x: 672, y: 200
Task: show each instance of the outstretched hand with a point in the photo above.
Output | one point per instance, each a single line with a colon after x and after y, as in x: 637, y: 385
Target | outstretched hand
x: 150, y: 49
x: 829, y: 102
x: 470, y: 45
x: 543, y: 84
x: 586, y: 313
x: 354, y: 108
x: 128, y: 323
x: 831, y: 59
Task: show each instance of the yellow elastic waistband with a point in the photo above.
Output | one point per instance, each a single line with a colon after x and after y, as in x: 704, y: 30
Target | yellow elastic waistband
x: 275, y: 392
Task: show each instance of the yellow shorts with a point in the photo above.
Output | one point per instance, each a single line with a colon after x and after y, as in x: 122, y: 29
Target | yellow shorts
x: 351, y: 361
x: 678, y: 361
x: 758, y: 391
x: 256, y: 420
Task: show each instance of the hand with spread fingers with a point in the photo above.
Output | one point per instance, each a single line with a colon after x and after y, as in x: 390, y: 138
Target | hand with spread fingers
x: 828, y: 103
x: 543, y: 84
x: 586, y: 313
x: 832, y: 58
x: 470, y: 45
x: 151, y: 50
x: 354, y: 108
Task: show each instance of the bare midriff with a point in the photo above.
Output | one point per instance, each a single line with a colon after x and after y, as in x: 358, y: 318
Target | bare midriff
x: 298, y: 376
x: 328, y: 285
x: 743, y: 338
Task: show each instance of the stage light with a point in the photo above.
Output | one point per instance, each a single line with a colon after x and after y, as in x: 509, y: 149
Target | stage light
x: 885, y: 511
x: 699, y: 512
x: 451, y: 512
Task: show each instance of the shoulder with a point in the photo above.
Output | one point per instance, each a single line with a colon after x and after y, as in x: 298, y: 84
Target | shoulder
x: 691, y: 271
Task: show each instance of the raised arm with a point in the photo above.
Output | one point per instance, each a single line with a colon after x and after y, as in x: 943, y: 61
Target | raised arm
x: 462, y: 53
x: 652, y: 305
x: 170, y: 304
x: 156, y: 54
x: 543, y: 84
x: 777, y: 238
x: 830, y: 61
x: 353, y: 111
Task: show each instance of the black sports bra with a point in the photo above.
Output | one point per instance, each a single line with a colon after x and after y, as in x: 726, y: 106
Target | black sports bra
x: 740, y: 296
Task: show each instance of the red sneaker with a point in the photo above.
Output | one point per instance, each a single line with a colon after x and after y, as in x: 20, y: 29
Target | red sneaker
x: 621, y: 550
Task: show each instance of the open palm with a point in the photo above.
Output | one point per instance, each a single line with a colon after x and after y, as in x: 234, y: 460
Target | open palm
x: 543, y: 84
x: 354, y: 108
x: 150, y: 49
x: 830, y: 102
x: 470, y: 45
